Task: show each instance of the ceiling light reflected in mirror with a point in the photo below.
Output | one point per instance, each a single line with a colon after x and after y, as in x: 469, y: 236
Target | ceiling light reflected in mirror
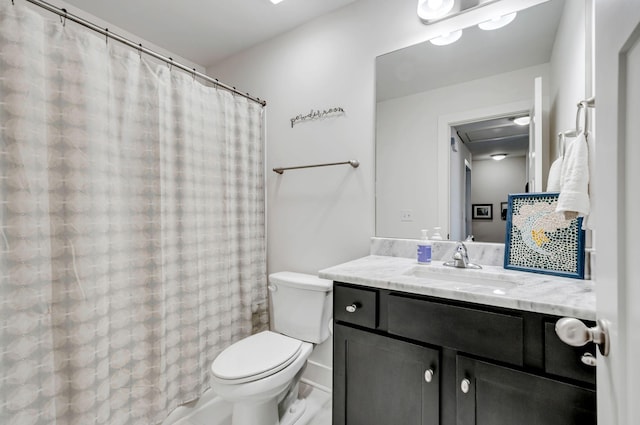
x: 497, y: 22
x: 448, y: 38
x: 522, y: 120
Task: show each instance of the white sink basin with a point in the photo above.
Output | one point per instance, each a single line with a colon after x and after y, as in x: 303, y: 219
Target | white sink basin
x: 464, y: 276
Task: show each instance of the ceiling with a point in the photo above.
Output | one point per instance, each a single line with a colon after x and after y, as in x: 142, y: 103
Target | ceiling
x: 206, y: 32
x: 499, y: 135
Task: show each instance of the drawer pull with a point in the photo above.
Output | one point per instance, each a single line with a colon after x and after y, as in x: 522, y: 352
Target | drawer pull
x: 465, y: 385
x: 352, y: 308
x: 588, y: 359
x: 428, y: 375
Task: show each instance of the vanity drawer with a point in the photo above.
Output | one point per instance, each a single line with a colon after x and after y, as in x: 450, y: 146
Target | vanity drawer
x: 488, y: 334
x: 564, y: 360
x: 357, y: 306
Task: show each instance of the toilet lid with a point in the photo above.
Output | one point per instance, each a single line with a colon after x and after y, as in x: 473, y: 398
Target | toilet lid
x: 255, y: 357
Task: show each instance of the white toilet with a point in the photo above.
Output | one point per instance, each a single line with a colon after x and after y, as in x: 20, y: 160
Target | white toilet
x: 260, y: 373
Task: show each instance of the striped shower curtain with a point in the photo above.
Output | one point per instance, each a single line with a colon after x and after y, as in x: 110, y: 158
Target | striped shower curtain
x: 132, y: 234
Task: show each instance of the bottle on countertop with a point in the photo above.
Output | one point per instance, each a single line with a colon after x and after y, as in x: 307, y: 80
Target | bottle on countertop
x: 424, y: 248
x: 436, y: 234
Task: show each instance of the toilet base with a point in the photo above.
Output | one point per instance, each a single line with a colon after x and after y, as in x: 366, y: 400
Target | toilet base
x: 295, y: 412
x: 267, y: 413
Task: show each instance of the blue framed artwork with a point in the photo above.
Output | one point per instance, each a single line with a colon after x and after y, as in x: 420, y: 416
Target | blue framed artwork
x: 540, y: 240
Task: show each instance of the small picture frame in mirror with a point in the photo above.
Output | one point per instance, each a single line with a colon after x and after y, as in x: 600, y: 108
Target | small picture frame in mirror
x: 504, y: 207
x: 482, y: 211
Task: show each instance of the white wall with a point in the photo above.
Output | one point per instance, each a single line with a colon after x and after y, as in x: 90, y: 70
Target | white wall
x: 324, y: 216
x: 572, y: 78
x: 407, y: 144
x: 569, y: 64
x: 491, y: 182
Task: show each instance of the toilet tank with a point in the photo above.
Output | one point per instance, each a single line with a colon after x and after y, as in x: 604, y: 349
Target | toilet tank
x: 302, y: 305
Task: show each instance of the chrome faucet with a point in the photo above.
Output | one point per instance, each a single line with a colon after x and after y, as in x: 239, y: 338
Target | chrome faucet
x: 461, y: 258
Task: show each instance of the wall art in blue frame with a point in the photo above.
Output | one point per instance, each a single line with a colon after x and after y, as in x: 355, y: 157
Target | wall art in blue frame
x: 540, y: 240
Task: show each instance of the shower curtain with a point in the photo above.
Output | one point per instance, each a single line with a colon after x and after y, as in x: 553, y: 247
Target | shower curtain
x: 132, y: 234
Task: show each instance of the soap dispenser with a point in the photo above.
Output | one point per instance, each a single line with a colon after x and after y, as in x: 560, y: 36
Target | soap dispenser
x: 424, y: 248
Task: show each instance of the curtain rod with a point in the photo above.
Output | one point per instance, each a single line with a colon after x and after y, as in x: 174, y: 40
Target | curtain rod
x: 105, y: 31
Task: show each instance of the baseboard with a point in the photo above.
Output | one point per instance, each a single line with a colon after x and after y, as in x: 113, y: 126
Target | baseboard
x: 318, y: 375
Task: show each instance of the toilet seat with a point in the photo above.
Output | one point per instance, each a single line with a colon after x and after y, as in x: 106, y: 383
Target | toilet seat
x: 255, y: 357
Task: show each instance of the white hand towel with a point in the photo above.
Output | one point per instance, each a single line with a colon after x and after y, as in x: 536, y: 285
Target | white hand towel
x: 574, y: 179
x: 553, y: 181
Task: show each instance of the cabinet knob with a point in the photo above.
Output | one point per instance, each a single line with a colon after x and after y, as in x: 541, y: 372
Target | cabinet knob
x: 465, y: 385
x: 428, y: 375
x: 352, y: 308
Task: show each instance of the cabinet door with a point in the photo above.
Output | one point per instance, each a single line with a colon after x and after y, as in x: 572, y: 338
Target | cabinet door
x: 382, y: 381
x: 497, y: 395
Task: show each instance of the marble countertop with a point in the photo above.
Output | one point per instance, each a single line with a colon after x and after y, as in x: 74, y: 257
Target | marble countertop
x: 493, y: 285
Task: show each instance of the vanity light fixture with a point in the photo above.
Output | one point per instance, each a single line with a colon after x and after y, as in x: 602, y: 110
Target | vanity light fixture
x: 498, y: 156
x: 497, y: 22
x: 447, y: 38
x: 522, y: 120
x: 434, y: 9
x: 275, y: 1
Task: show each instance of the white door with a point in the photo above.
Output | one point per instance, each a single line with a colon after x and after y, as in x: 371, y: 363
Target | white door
x: 534, y: 159
x: 617, y: 206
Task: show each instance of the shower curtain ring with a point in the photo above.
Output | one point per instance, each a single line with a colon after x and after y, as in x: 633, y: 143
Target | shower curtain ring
x: 170, y: 64
x: 194, y: 74
x: 106, y: 36
x: 140, y: 50
x: 63, y: 21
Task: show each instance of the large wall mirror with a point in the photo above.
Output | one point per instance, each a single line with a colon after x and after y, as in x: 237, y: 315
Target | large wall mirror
x: 442, y: 111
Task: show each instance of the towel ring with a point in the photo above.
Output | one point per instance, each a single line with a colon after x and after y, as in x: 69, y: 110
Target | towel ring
x: 583, y: 107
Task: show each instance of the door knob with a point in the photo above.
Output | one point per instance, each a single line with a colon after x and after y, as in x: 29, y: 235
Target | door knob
x: 575, y: 333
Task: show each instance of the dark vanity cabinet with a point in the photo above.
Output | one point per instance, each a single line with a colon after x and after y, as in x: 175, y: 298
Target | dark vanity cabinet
x: 404, y: 359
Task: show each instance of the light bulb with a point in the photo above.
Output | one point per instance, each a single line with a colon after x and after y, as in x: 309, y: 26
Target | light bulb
x: 434, y: 9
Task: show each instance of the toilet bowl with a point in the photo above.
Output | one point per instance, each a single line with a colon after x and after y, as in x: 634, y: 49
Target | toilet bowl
x: 255, y: 374
x: 260, y: 374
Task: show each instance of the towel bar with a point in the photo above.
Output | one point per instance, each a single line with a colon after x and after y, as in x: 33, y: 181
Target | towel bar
x: 354, y: 163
